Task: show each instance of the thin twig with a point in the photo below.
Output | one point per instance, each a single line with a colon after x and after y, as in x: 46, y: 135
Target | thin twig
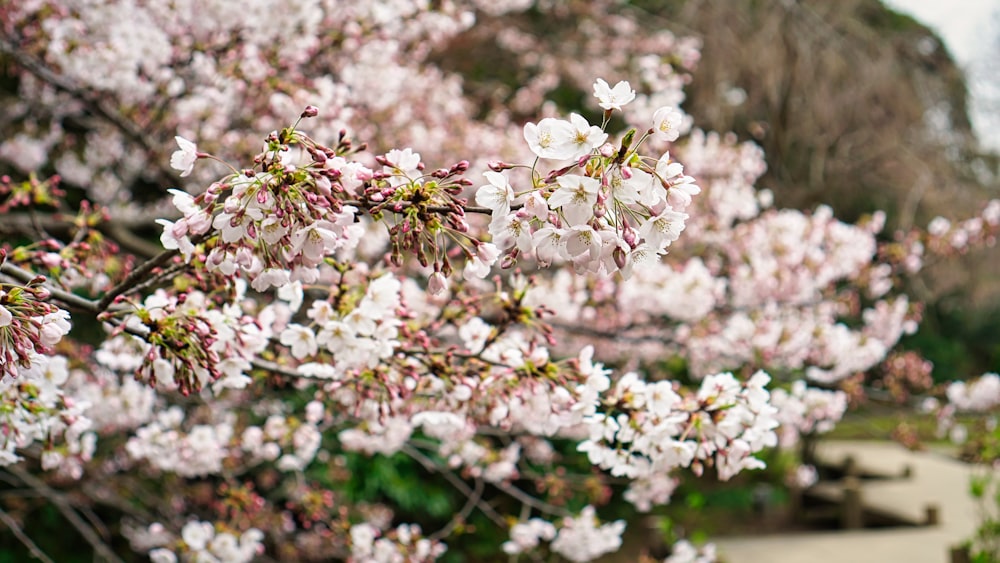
x: 66, y: 509
x: 532, y: 501
x: 431, y: 208
x: 281, y: 370
x: 19, y: 533
x: 463, y: 515
x: 459, y: 484
x: 135, y: 276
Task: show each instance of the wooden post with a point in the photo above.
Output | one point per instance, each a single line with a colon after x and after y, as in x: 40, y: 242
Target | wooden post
x: 850, y: 467
x: 960, y: 554
x: 851, y: 515
x: 932, y: 515
x: 795, y: 504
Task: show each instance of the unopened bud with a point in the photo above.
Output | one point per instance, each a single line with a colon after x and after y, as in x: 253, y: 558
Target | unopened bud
x: 310, y: 111
x: 629, y: 236
x: 437, y: 283
x: 620, y: 258
x: 509, y: 259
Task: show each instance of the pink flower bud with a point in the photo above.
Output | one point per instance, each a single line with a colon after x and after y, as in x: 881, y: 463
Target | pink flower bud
x: 437, y: 283
x: 629, y: 236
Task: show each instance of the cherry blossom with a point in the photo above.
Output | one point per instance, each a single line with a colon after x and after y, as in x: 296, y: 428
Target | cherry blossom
x: 613, y: 98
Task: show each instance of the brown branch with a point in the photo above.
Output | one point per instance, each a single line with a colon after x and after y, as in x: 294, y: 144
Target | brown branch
x: 462, y: 515
x: 23, y: 538
x: 66, y: 509
x: 532, y: 501
x: 431, y: 208
x: 120, y: 230
x: 67, y: 298
x: 94, y: 101
x: 135, y: 277
x: 459, y: 484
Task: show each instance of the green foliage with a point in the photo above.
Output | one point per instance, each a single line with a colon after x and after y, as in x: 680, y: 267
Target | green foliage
x: 959, y: 341
x: 421, y: 497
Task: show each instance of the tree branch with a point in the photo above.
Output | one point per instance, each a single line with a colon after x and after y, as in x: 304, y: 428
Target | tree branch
x: 74, y: 301
x: 66, y: 509
x: 135, y: 277
x: 459, y: 484
x: 462, y: 515
x: 23, y: 538
x: 94, y: 101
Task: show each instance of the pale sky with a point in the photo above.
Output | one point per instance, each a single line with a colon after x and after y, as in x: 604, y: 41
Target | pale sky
x: 971, y: 30
x: 964, y: 24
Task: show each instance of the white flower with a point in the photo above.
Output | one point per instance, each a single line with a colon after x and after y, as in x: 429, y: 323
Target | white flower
x: 663, y: 229
x: 550, y: 243
x: 161, y: 555
x: 613, y: 98
x: 576, y: 196
x: 437, y: 283
x: 5, y: 316
x: 300, y: 339
x: 197, y: 534
x: 496, y: 195
x: 551, y: 138
x: 184, y: 158
x: 315, y: 241
x: 586, y: 137
x: 667, y: 123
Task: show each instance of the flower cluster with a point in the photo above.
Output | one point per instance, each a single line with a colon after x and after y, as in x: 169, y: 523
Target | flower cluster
x: 353, y: 336
x: 584, y: 538
x: 181, y: 342
x: 29, y: 325
x: 276, y: 224
x: 35, y: 408
x: 202, y: 541
x: 608, y: 211
x: 405, y: 543
x: 656, y: 430
x: 685, y: 552
x: 804, y: 411
x: 980, y: 395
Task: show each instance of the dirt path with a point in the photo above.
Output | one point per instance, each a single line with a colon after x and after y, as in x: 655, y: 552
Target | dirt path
x: 935, y: 480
